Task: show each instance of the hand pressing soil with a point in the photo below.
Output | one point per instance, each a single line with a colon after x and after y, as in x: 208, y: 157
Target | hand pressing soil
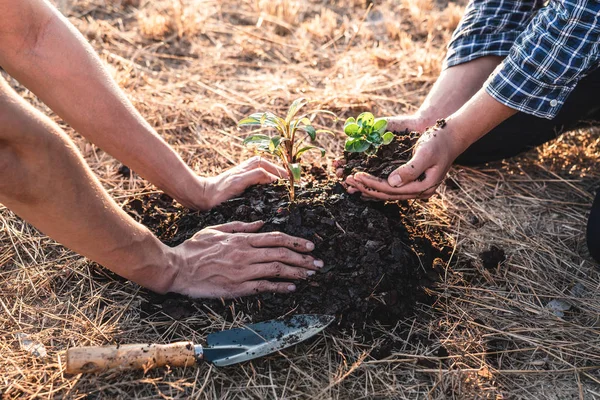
x: 377, y: 262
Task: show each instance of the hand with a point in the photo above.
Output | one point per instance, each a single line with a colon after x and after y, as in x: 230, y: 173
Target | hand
x: 396, y: 124
x: 231, y: 260
x: 434, y: 153
x: 233, y: 182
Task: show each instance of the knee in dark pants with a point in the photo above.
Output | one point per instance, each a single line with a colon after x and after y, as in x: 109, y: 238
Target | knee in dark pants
x: 593, y: 229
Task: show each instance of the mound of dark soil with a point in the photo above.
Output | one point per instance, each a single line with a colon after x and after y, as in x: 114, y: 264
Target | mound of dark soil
x: 377, y: 261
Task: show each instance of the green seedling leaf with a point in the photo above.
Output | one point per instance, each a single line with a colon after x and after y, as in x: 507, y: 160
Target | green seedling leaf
x: 374, y: 138
x: 249, y: 121
x: 259, y: 141
x: 274, y: 143
x: 295, y: 124
x: 356, y: 145
x: 388, y: 137
x: 312, y: 132
x: 296, y: 171
x: 365, y: 119
x: 366, y: 133
x: 352, y: 129
x: 307, y: 148
x: 274, y: 121
x: 304, y: 120
x: 294, y: 108
x: 285, y: 145
x: 267, y: 119
x: 380, y: 125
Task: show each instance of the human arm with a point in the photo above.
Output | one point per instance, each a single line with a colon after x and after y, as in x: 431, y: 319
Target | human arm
x: 557, y: 49
x: 44, y: 180
x: 435, y: 151
x: 42, y: 50
x: 484, y: 36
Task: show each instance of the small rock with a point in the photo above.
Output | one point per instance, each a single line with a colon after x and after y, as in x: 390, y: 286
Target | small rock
x: 31, y: 346
x: 558, y: 307
x: 373, y: 245
x: 125, y: 171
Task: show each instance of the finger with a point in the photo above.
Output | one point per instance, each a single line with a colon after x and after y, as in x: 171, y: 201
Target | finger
x: 369, y: 194
x: 413, y: 170
x: 349, y: 189
x: 255, y: 287
x: 277, y: 270
x: 238, y: 227
x: 278, y: 239
x: 381, y: 185
x: 287, y: 256
x: 258, y: 162
x: 339, y: 163
x: 258, y: 176
x: 358, y: 185
x: 401, y: 123
x: 339, y: 172
x: 433, y: 177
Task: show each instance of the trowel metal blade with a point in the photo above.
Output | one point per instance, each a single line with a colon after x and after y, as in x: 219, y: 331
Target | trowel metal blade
x: 257, y: 340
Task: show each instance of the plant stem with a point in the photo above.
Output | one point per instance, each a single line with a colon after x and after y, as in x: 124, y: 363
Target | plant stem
x: 291, y: 181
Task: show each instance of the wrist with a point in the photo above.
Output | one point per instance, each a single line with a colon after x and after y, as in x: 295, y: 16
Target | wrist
x: 462, y: 136
x: 154, y: 265
x: 476, y: 118
x: 192, y: 193
x: 425, y: 117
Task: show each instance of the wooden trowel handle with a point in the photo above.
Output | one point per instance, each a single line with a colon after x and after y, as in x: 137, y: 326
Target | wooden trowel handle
x: 130, y: 356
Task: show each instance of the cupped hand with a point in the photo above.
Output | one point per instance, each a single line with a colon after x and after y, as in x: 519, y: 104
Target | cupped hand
x: 433, y: 155
x: 232, y: 260
x: 396, y: 124
x: 234, y: 181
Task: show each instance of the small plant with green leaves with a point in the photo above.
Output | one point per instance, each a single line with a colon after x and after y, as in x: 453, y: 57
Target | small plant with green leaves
x: 286, y: 144
x: 366, y: 133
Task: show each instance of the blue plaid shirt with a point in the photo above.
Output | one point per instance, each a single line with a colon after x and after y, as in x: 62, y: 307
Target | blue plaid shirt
x: 548, y: 49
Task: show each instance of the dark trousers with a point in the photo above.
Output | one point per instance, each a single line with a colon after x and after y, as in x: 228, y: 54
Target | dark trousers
x: 522, y: 132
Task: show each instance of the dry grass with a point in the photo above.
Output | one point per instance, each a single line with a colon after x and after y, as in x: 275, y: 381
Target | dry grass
x: 195, y: 67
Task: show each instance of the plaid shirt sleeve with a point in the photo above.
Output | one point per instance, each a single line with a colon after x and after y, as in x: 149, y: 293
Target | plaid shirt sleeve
x: 553, y: 48
x: 489, y: 28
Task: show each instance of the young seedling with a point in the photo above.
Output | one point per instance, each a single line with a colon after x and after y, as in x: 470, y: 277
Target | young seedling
x: 285, y: 144
x: 366, y: 134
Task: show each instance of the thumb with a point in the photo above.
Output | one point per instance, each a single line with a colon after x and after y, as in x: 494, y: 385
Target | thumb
x: 237, y: 227
x: 409, y: 172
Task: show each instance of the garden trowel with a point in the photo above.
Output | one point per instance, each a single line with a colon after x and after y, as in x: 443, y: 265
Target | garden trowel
x: 222, y: 348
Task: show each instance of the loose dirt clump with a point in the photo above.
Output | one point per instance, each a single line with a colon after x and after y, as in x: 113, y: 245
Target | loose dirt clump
x: 377, y: 262
x: 385, y: 160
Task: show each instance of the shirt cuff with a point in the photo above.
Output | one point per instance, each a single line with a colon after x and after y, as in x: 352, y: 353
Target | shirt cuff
x: 471, y: 47
x: 517, y: 89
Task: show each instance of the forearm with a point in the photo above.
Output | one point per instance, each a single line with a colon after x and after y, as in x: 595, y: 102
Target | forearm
x: 456, y: 86
x: 44, y: 180
x: 476, y: 118
x: 60, y: 67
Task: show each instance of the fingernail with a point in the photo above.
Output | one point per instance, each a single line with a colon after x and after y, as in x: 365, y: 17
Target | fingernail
x: 395, y: 180
x: 292, y: 288
x: 319, y: 263
x: 310, y: 273
x: 310, y: 246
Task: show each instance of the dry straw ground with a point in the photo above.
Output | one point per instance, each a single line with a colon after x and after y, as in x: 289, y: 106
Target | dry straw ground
x: 193, y: 68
